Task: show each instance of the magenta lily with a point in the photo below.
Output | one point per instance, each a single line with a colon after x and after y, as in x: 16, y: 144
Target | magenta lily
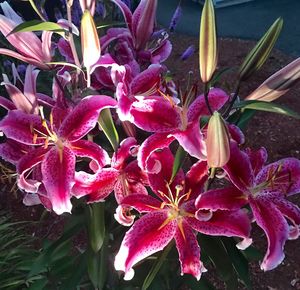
x: 169, y: 121
x: 171, y: 215
x: 265, y: 189
x: 56, y: 144
x: 124, y: 177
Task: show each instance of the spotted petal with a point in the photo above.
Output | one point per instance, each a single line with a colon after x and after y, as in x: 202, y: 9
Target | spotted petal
x: 188, y: 250
x: 147, y: 236
x: 84, y: 116
x: 58, y: 168
x: 271, y: 220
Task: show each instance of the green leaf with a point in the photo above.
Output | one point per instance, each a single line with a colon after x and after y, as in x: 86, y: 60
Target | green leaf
x: 106, y: 123
x: 240, y: 263
x: 217, y: 253
x: 193, y: 284
x: 156, y: 267
x: 267, y: 107
x: 178, y: 161
x: 37, y: 25
x: 39, y: 284
x: 96, y: 226
x: 259, y: 54
x: 253, y: 254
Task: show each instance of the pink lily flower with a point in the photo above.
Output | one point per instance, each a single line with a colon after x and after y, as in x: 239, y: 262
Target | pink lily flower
x: 169, y: 121
x: 265, y: 189
x: 171, y: 215
x: 30, y: 48
x: 56, y: 143
x: 124, y: 177
x: 137, y: 35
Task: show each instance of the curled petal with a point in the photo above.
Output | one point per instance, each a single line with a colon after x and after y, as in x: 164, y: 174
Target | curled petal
x: 84, y: 116
x: 162, y: 52
x: 271, y: 220
x: 229, y: 198
x: 126, y: 12
x: 27, y: 163
x: 147, y: 236
x: 236, y: 134
x: 188, y: 250
x: 123, y: 216
x: 223, y: 223
x: 58, y: 168
x: 151, y: 144
x: 84, y: 148
x: 7, y: 104
x: 124, y: 152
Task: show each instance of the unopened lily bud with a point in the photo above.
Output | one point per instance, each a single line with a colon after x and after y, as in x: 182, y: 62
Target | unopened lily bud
x: 90, y: 43
x: 208, y: 55
x: 88, y: 5
x: 146, y: 22
x: 217, y: 142
x: 277, y: 84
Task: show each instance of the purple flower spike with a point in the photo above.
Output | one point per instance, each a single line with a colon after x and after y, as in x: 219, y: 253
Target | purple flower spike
x: 188, y: 52
x: 176, y: 16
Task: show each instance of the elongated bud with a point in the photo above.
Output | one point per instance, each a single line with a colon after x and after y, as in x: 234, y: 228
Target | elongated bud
x: 217, y: 142
x: 208, y: 55
x: 90, y: 43
x: 88, y: 5
x: 277, y: 84
x: 146, y: 22
x: 259, y: 54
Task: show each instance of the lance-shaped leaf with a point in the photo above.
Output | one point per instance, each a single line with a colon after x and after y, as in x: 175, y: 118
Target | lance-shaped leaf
x: 106, y: 123
x: 217, y: 142
x: 267, y: 107
x: 90, y: 43
x: 277, y: 84
x: 208, y: 42
x: 37, y: 25
x: 259, y: 54
x: 178, y: 161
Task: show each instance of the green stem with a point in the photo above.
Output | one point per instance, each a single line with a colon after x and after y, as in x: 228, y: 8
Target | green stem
x: 235, y: 95
x: 206, y: 93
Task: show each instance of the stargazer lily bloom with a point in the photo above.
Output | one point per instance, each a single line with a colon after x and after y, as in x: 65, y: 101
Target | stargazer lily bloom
x: 171, y: 215
x: 169, y: 121
x: 124, y: 177
x: 56, y: 144
x: 30, y: 48
x: 265, y: 189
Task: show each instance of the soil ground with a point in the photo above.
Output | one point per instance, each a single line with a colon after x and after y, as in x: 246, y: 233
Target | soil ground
x: 278, y: 133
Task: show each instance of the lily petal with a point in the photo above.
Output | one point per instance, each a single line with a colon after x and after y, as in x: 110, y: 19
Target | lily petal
x: 267, y: 215
x: 257, y: 158
x: 188, y: 250
x: 217, y: 98
x: 223, y: 223
x: 12, y: 151
x: 20, y: 127
x: 7, y: 104
x: 84, y: 116
x: 142, y: 203
x: 229, y: 198
x: 96, y: 187
x: 58, y: 169
x: 151, y: 144
x: 147, y: 236
x: 25, y: 165
x: 84, y: 148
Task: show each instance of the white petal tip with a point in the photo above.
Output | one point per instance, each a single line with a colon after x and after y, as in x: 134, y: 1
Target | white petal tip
x: 244, y: 244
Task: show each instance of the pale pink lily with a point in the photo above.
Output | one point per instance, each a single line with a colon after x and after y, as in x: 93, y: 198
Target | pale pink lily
x: 30, y: 48
x: 171, y: 215
x: 265, y: 189
x: 56, y: 144
x: 124, y: 177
